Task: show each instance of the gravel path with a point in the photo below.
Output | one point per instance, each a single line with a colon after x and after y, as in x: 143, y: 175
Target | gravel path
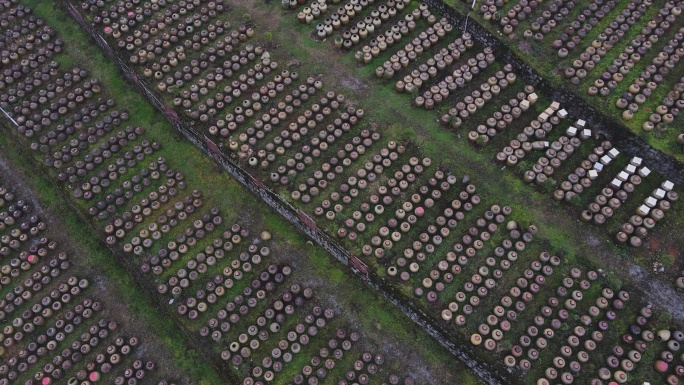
x: 659, y: 293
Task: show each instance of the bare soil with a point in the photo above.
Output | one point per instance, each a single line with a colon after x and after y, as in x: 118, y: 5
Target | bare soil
x: 659, y: 293
x: 655, y: 288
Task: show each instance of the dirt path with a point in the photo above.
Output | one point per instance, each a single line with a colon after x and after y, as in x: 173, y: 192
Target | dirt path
x: 10, y: 178
x: 654, y: 288
x: 658, y: 292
